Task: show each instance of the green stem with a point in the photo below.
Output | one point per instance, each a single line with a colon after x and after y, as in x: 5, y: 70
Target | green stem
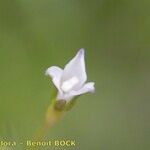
x: 52, y: 116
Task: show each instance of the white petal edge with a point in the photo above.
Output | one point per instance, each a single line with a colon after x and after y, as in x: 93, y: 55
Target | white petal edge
x: 76, y: 67
x: 55, y: 73
x: 87, y: 88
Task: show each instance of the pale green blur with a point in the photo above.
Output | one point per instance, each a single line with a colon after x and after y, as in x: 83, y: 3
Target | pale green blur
x: 36, y: 34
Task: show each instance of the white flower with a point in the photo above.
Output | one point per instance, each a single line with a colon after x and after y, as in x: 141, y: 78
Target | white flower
x: 70, y: 82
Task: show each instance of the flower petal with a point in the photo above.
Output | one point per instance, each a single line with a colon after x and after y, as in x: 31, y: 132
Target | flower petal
x: 55, y: 73
x: 88, y: 87
x: 64, y: 96
x: 76, y: 68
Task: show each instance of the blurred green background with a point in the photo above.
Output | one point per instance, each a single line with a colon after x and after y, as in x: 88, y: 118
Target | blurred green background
x: 37, y: 34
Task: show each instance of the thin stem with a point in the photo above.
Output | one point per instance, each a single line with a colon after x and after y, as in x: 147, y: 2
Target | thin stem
x: 52, y: 116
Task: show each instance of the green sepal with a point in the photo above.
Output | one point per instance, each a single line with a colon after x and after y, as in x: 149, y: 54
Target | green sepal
x: 71, y: 103
x: 53, y: 96
x: 60, y: 105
